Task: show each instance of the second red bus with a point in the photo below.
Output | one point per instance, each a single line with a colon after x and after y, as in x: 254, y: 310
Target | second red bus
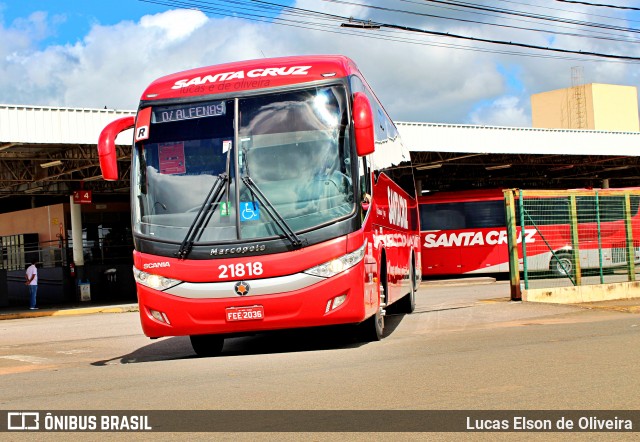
x: 465, y: 233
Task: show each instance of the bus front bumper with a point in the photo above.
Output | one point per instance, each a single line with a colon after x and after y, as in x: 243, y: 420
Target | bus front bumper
x: 341, y: 299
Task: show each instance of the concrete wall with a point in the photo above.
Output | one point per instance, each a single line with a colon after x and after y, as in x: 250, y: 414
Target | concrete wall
x: 585, y: 293
x: 615, y: 107
x: 45, y: 221
x: 590, y: 106
x: 556, y: 110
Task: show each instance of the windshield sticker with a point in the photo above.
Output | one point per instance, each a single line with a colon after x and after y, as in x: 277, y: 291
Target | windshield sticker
x: 171, y: 158
x: 249, y: 211
x: 178, y: 113
x: 226, y: 145
x: 224, y: 208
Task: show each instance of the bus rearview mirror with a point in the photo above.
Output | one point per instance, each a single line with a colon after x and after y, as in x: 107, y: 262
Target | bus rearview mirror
x: 107, y: 146
x: 363, y: 124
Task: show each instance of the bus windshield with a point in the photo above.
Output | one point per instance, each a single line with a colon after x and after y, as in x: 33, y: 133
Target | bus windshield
x: 285, y: 170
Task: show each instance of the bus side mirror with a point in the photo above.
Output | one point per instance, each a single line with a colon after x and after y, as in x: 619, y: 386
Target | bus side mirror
x: 107, y: 146
x: 363, y: 124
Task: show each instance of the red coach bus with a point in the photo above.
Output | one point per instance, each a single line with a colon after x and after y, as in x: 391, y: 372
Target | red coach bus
x: 465, y: 233
x: 265, y: 195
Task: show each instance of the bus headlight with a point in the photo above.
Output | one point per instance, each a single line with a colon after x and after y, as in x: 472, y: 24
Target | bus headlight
x: 155, y: 282
x: 338, y: 265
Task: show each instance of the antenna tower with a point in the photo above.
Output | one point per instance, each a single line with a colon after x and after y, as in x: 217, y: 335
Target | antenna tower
x: 578, y: 114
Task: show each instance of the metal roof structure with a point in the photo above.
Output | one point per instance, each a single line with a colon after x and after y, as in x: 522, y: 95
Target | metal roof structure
x: 455, y: 157
x: 33, y: 125
x: 431, y: 137
x: 51, y: 151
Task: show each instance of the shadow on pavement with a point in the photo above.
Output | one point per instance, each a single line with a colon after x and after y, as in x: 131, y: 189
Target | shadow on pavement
x: 282, y: 341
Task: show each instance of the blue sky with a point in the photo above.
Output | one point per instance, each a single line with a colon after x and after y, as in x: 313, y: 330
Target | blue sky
x: 96, y: 53
x: 75, y: 17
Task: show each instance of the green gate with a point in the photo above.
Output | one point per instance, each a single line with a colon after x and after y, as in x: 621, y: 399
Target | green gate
x: 571, y: 238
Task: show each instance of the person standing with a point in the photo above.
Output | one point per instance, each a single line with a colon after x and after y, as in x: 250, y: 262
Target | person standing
x: 32, y: 283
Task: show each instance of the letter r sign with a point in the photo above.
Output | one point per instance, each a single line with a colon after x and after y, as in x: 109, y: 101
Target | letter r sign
x: 142, y: 124
x: 142, y: 133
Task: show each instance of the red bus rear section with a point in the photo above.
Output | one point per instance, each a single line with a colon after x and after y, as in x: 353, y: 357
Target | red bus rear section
x: 268, y: 194
x: 465, y: 233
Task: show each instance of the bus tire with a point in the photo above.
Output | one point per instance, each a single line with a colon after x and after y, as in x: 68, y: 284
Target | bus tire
x: 372, y: 329
x: 207, y: 345
x: 562, y: 264
x: 407, y: 304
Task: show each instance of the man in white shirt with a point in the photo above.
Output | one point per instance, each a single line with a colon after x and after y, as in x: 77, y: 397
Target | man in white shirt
x: 32, y: 283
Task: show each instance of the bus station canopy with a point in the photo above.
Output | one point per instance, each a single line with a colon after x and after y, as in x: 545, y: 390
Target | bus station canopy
x: 51, y: 151
x: 456, y: 157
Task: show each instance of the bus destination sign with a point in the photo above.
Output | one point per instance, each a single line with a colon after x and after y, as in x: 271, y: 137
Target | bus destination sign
x: 168, y: 114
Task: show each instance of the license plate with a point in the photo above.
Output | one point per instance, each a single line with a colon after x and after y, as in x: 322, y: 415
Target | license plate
x: 253, y: 313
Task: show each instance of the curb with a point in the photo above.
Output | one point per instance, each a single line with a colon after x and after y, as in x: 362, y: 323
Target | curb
x: 458, y: 282
x: 69, y: 311
x: 622, y: 306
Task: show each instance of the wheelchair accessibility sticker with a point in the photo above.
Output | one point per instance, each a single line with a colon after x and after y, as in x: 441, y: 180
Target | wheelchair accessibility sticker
x: 249, y: 211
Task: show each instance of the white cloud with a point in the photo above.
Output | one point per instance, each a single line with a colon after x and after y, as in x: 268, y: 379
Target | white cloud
x: 504, y: 111
x: 417, y: 81
x: 174, y: 24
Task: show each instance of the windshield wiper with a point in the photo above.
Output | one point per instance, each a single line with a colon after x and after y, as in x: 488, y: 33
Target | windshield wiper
x: 204, y: 215
x: 273, y: 213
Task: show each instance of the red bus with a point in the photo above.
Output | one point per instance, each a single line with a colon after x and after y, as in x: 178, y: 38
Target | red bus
x: 465, y: 233
x: 267, y: 194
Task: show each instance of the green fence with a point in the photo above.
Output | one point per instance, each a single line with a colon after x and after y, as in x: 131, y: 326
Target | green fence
x: 575, y: 237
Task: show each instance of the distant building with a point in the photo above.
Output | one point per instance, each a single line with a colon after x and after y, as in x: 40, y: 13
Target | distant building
x: 588, y: 106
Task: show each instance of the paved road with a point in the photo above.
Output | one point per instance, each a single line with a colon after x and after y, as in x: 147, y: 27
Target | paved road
x: 465, y: 347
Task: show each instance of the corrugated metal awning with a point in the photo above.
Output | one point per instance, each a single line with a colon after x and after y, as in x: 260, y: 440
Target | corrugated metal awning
x: 458, y: 138
x: 57, y: 125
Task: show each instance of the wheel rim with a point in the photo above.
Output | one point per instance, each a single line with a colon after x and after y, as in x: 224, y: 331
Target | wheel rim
x: 414, y: 277
x: 379, y: 315
x: 564, y: 266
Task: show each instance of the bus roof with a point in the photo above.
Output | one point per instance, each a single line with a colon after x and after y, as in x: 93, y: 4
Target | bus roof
x: 249, y: 75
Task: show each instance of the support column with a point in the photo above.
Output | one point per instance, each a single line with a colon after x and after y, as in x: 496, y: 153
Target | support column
x: 418, y: 187
x: 512, y: 242
x: 76, y: 237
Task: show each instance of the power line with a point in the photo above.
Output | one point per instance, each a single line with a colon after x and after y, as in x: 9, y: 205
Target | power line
x: 528, y: 5
x: 478, y: 7
x: 249, y: 5
x: 510, y: 43
x: 598, y: 36
x: 570, y: 11
x: 600, y: 5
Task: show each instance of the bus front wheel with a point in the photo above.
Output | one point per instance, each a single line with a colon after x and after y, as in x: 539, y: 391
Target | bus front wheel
x: 207, y: 345
x: 372, y: 329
